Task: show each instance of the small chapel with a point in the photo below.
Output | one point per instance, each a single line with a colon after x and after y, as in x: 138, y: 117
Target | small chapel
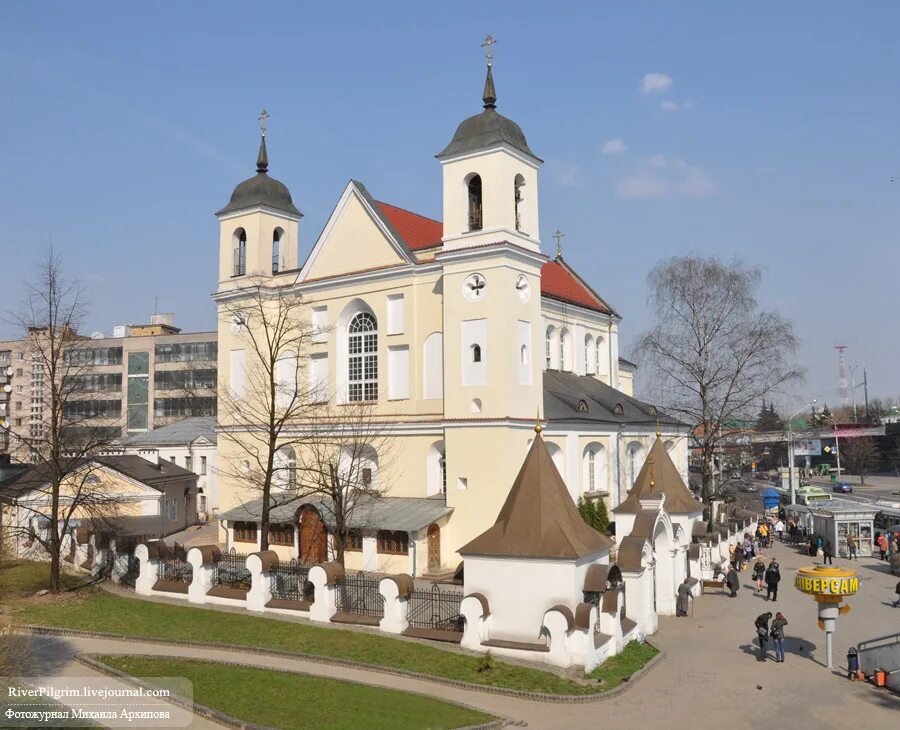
x: 456, y: 332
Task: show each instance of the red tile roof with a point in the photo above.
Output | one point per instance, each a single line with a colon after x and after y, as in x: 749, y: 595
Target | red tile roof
x: 558, y: 281
x: 416, y: 230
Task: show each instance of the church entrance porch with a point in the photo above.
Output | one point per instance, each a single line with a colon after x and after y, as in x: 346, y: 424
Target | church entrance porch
x: 313, y: 537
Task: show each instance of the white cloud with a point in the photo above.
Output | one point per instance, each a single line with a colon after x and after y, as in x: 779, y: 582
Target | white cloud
x: 655, y: 82
x: 660, y: 177
x: 614, y: 146
x: 674, y: 106
x: 564, y: 173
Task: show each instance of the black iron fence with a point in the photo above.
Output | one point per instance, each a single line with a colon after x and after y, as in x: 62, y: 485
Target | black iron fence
x: 436, y: 608
x: 290, y: 582
x: 230, y: 570
x: 358, y: 594
x: 173, y: 564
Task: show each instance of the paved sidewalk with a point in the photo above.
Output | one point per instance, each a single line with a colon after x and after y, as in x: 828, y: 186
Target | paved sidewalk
x: 709, y: 677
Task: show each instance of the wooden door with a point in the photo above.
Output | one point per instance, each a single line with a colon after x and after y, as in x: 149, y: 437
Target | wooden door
x: 313, y: 538
x: 434, y: 547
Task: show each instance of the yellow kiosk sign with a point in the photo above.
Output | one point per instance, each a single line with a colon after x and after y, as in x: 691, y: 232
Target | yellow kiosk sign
x: 827, y: 581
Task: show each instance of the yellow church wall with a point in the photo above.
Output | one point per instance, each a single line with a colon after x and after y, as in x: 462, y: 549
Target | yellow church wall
x: 354, y: 243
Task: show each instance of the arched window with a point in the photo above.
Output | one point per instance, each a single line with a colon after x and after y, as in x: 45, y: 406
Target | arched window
x: 565, y: 350
x: 552, y: 349
x: 590, y: 355
x: 556, y: 455
x: 285, y: 464
x: 436, y: 469
x: 476, y: 353
x: 276, y: 250
x: 473, y: 186
x: 595, y: 468
x: 523, y: 354
x: 362, y: 349
x: 519, y: 195
x: 633, y: 462
x: 239, y: 250
x: 602, y: 358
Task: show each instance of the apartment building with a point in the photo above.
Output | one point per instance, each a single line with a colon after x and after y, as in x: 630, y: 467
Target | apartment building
x: 142, y: 377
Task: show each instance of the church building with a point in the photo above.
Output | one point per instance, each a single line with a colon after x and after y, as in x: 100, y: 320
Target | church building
x: 458, y: 332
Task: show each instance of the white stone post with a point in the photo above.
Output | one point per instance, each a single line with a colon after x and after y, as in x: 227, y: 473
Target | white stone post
x: 148, y: 555
x: 324, y: 579
x: 202, y: 560
x: 474, y: 609
x: 558, y: 625
x: 260, y: 566
x: 395, y: 589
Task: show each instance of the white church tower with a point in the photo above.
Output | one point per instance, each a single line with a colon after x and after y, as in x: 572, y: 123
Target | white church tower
x: 258, y: 228
x: 493, y: 331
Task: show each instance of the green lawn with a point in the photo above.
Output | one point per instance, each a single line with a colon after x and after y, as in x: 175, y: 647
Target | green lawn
x: 21, y: 578
x: 619, y: 668
x: 288, y: 701
x: 109, y: 613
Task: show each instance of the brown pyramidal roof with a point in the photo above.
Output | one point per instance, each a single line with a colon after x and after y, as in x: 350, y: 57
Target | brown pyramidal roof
x: 539, y: 518
x: 660, y: 476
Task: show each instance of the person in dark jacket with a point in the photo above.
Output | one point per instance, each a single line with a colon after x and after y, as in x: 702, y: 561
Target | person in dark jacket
x: 897, y: 591
x: 759, y: 572
x: 762, y: 633
x: 827, y: 553
x: 733, y: 582
x: 684, y: 598
x: 773, y: 576
x: 777, y: 634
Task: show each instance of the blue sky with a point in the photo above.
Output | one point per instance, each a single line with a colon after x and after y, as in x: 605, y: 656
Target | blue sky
x: 765, y: 130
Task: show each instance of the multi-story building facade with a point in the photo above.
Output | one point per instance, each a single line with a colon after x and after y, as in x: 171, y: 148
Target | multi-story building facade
x: 142, y: 377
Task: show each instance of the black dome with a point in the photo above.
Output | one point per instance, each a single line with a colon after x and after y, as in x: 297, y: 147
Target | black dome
x: 487, y: 129
x: 261, y: 190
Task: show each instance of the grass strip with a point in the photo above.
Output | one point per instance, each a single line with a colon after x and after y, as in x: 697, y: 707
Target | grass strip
x: 104, y: 612
x: 294, y: 701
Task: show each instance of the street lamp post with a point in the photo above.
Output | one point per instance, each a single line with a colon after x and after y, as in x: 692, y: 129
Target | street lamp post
x: 791, y: 450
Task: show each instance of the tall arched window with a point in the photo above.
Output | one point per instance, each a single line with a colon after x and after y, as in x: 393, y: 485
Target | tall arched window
x: 590, y: 355
x: 436, y: 469
x: 518, y: 185
x: 552, y: 348
x: 476, y: 353
x: 285, y: 464
x: 473, y: 186
x: 362, y: 350
x: 602, y: 358
x: 595, y: 469
x: 634, y: 460
x: 565, y: 350
x: 239, y: 250
x: 276, y: 250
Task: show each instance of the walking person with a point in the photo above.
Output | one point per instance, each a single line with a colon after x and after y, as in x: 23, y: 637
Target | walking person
x: 827, y: 553
x: 684, y: 598
x: 851, y: 547
x: 777, y: 634
x: 882, y: 545
x: 733, y: 582
x: 773, y: 577
x: 759, y: 572
x: 896, y: 603
x: 762, y: 633
x: 779, y: 530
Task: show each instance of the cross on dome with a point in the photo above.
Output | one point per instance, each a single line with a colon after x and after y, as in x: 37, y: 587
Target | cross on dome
x: 488, y: 42
x: 559, y: 235
x: 262, y: 118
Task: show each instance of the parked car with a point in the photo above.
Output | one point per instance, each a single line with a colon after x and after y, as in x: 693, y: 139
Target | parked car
x: 842, y: 488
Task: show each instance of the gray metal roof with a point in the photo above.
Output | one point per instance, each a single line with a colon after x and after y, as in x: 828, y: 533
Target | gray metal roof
x: 179, y: 433
x: 563, y: 391
x: 261, y: 190
x: 387, y: 513
x: 487, y: 129
x: 844, y: 505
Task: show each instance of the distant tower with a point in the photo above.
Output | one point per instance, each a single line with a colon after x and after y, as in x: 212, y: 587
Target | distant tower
x: 843, y: 382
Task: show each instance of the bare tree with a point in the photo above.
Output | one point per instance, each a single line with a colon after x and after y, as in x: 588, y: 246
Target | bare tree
x: 65, y: 429
x: 860, y: 455
x: 261, y: 406
x: 713, y: 354
x: 344, y: 465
